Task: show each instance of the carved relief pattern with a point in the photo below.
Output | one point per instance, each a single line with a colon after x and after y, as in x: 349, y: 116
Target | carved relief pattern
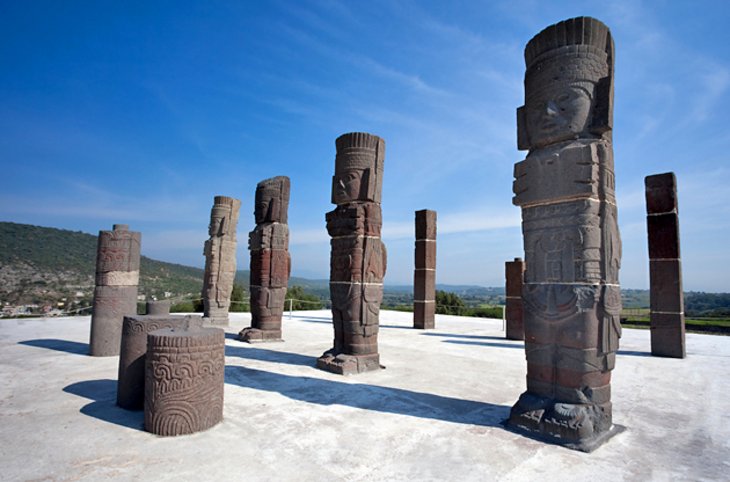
x: 270, y: 260
x: 115, y: 294
x: 220, y: 259
x: 565, y: 187
x: 184, y: 377
x: 358, y: 258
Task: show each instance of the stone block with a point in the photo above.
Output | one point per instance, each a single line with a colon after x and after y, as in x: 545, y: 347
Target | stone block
x: 668, y: 335
x: 111, y: 305
x: 663, y: 236
x: 158, y: 308
x: 514, y: 272
x: 184, y: 375
x: 425, y: 256
x: 130, y: 380
x: 425, y: 224
x: 665, y: 281
x: 424, y: 315
x: 424, y: 285
x: 661, y: 193
x: 515, y: 329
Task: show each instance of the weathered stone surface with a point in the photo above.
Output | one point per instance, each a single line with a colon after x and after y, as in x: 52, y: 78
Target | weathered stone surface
x: 130, y: 382
x: 184, y: 372
x: 115, y: 294
x: 514, y: 273
x: 665, y: 266
x: 358, y: 260
x: 424, y: 315
x: 565, y: 187
x: 220, y: 259
x: 159, y: 308
x: 270, y: 261
x: 424, y: 286
x: 425, y: 224
x: 424, y: 275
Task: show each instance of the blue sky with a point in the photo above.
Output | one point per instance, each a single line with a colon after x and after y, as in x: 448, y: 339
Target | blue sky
x: 141, y: 112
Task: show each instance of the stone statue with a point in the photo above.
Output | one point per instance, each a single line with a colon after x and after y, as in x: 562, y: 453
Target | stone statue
x: 358, y: 258
x: 220, y: 260
x: 270, y: 260
x: 115, y: 294
x: 565, y: 188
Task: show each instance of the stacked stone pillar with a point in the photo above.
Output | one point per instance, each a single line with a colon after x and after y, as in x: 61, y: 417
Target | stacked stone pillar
x: 358, y: 258
x: 565, y: 188
x: 270, y: 261
x: 220, y: 259
x: 665, y: 267
x: 115, y: 294
x: 424, y: 276
x: 514, y: 273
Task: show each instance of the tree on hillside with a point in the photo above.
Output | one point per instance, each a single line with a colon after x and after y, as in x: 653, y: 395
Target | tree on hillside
x: 239, y: 302
x: 448, y: 303
x: 302, y: 300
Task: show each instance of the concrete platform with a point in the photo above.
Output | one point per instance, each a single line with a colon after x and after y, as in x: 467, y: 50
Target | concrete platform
x: 433, y: 414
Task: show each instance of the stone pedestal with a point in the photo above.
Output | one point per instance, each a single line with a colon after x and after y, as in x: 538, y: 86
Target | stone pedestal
x: 270, y: 261
x: 358, y: 258
x: 220, y: 260
x: 184, y: 375
x: 565, y: 189
x: 115, y: 294
x: 424, y: 277
x: 158, y: 308
x: 514, y: 272
x: 130, y: 381
x: 665, y: 267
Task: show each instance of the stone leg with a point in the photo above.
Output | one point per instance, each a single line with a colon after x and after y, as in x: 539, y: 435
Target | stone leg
x: 111, y: 305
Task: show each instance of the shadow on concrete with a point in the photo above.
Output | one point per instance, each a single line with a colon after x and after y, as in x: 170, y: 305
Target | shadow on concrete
x: 309, y: 319
x: 263, y: 354
x: 232, y: 336
x: 104, y: 406
x: 521, y: 346
x: 370, y: 397
x: 633, y: 353
x: 471, y: 337
x: 73, y: 347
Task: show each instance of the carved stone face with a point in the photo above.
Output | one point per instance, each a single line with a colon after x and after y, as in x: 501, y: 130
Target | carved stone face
x: 347, y: 185
x: 262, y: 209
x: 558, y: 113
x: 217, y: 223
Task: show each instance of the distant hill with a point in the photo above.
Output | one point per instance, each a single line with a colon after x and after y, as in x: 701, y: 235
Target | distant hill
x: 39, y: 264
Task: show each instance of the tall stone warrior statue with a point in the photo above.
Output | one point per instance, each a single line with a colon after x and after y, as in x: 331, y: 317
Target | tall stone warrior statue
x: 565, y: 188
x: 270, y: 260
x: 115, y: 294
x: 358, y: 258
x: 220, y: 259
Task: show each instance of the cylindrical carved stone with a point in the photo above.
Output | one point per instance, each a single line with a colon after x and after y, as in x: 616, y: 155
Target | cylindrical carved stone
x: 184, y: 373
x: 115, y: 294
x: 220, y: 259
x: 270, y: 261
x: 565, y: 188
x: 424, y: 276
x: 358, y: 259
x: 514, y: 272
x: 665, y: 267
x: 130, y: 382
x: 158, y: 308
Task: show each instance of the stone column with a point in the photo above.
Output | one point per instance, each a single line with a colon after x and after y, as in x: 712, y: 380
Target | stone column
x: 130, y: 380
x: 270, y: 261
x: 115, y: 294
x: 358, y: 259
x: 514, y: 272
x: 184, y: 375
x: 220, y: 259
x: 158, y: 307
x: 665, y: 266
x: 424, y: 276
x: 565, y: 188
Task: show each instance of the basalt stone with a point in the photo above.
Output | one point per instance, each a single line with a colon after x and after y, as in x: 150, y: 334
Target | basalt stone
x: 184, y: 373
x: 424, y: 315
x: 115, y: 294
x: 424, y: 275
x: 270, y: 261
x: 665, y: 266
x: 220, y: 259
x: 358, y: 258
x: 565, y: 188
x: 130, y: 382
x: 158, y: 308
x: 514, y: 273
x: 425, y: 224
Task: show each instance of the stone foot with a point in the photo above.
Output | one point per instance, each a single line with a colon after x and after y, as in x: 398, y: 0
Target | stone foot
x: 254, y: 335
x: 343, y: 364
x: 581, y: 427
